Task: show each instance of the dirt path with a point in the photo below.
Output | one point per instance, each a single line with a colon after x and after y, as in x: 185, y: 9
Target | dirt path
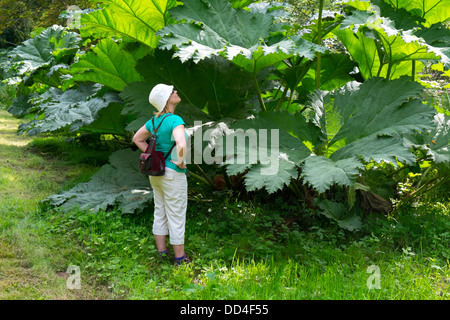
x: 26, y: 268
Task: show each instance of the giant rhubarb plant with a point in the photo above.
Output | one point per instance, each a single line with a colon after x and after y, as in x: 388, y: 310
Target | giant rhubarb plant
x: 222, y: 58
x: 349, y: 127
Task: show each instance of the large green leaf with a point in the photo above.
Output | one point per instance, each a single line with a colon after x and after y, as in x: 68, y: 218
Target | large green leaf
x: 137, y: 20
x: 338, y: 212
x: 240, y: 3
x: 375, y: 108
x: 214, y: 86
x: 263, y: 176
x: 380, y: 107
x: 353, y: 125
x: 367, y: 121
x: 323, y: 172
x: 118, y: 183
x: 436, y: 143
x: 440, y: 142
x: 238, y: 27
x: 432, y: 11
x: 408, y: 12
x: 417, y: 28
x: 296, y: 124
x: 44, y: 49
x: 106, y: 64
x: 378, y: 148
x: 71, y: 109
x: 270, y: 153
x: 21, y: 106
x: 215, y: 28
x: 380, y: 49
x: 335, y: 72
x: 437, y: 35
x: 405, y: 47
x: 363, y: 51
x: 403, y: 19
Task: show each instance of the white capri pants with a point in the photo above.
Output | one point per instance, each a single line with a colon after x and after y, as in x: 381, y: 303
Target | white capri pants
x: 170, y: 197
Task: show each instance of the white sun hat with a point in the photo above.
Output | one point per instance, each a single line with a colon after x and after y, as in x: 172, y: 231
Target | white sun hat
x: 159, y: 95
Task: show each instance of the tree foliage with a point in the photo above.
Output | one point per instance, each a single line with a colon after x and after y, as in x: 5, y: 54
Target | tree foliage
x: 19, y: 18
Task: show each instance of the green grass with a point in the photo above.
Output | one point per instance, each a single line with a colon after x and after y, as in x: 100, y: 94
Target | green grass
x: 322, y: 262
x: 252, y: 248
x: 32, y: 262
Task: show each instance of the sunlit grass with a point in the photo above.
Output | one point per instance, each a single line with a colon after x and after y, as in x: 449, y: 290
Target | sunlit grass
x: 31, y: 260
x: 8, y: 131
x: 316, y: 265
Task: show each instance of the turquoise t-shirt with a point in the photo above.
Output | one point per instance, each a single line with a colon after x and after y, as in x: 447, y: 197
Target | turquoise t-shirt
x: 165, y: 139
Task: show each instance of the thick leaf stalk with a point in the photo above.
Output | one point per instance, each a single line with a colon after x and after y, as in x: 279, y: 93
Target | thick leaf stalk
x: 319, y: 42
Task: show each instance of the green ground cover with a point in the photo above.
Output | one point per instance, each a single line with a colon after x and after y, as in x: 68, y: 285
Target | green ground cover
x: 241, y: 248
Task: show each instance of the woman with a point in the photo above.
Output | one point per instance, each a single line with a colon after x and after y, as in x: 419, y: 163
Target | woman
x: 169, y: 190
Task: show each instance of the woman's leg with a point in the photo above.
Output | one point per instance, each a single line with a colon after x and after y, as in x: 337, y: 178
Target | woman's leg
x: 160, y: 242
x: 175, y: 204
x: 160, y: 227
x: 178, y: 250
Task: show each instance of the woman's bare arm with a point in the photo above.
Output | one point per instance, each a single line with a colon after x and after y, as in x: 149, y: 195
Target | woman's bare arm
x: 180, y: 140
x: 140, y: 137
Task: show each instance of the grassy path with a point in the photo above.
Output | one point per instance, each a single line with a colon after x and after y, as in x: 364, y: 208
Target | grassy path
x: 33, y: 266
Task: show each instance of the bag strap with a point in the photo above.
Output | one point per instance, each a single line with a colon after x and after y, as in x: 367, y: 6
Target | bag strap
x: 156, y: 130
x: 170, y: 150
x: 153, y: 122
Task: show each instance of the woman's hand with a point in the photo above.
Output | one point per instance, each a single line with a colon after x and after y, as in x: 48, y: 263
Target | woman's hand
x: 181, y: 165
